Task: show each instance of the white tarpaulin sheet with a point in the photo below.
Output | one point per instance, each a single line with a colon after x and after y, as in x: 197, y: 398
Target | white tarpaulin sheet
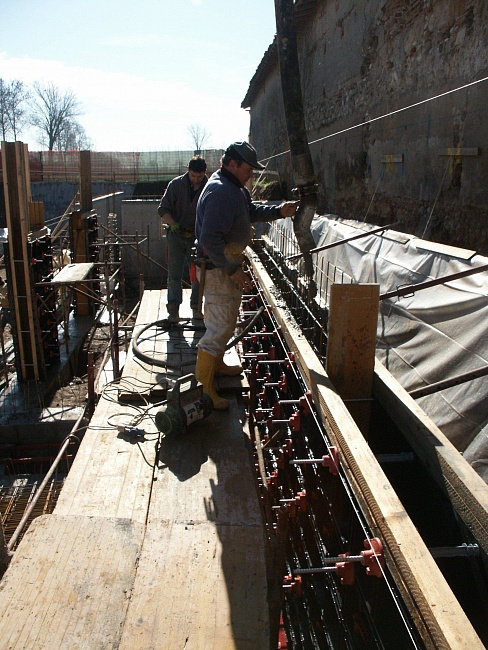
x: 429, y: 335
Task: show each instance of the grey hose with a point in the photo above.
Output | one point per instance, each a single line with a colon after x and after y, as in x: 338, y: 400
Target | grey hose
x: 166, y: 326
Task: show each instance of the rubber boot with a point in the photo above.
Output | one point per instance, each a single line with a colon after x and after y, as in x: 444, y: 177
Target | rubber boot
x: 221, y: 368
x: 205, y: 372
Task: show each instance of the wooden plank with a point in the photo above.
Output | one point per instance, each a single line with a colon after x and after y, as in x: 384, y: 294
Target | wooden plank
x: 140, y: 378
x: 458, y: 152
x: 464, y: 487
x: 111, y: 475
x: 69, y: 584
x: 205, y: 544
x: 199, y: 588
x: 72, y: 273
x: 437, y: 613
x: 351, y: 344
x: 178, y: 348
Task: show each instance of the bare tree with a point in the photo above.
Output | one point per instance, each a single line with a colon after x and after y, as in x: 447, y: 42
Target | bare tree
x: 18, y: 108
x: 53, y: 110
x: 73, y: 137
x: 4, y: 121
x: 199, y: 135
x: 13, y: 108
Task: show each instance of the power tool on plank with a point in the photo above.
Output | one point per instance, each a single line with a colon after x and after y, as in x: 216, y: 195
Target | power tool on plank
x: 186, y: 404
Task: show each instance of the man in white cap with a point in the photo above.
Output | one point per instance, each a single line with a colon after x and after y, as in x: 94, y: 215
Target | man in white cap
x: 225, y: 212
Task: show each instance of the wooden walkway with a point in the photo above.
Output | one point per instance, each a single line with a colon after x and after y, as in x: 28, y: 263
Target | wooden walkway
x: 154, y: 544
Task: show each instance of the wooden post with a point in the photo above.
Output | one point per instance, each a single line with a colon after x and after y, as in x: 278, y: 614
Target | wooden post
x: 79, y: 246
x: 86, y: 200
x: 350, y: 359
x: 115, y: 341
x: 91, y: 383
x: 16, y: 181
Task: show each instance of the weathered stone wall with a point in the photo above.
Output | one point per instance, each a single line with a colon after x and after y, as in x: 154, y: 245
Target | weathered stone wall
x: 360, y: 61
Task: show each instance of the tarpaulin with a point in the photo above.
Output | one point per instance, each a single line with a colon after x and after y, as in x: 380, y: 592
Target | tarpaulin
x: 429, y: 335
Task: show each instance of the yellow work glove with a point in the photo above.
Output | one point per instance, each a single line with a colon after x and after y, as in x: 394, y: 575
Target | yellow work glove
x: 174, y: 228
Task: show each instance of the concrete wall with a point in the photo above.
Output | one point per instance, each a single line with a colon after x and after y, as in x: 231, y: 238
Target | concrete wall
x: 364, y: 60
x: 141, y: 217
x: 57, y: 196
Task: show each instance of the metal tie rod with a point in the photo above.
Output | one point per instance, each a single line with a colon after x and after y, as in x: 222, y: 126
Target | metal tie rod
x: 465, y: 550
x: 412, y: 288
x: 449, y: 383
x: 344, y: 241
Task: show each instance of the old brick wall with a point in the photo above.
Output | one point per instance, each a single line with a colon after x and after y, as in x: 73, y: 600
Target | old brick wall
x: 363, y: 60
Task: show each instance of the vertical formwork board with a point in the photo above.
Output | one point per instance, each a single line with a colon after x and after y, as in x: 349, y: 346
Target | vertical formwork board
x: 29, y: 360
x: 351, y: 344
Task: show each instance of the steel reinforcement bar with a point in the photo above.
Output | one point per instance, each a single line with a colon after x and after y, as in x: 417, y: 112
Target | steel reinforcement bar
x: 438, y: 617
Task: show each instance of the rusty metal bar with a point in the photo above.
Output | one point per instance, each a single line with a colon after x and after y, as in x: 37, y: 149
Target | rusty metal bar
x: 449, y: 383
x: 35, y: 498
x: 345, y: 241
x: 412, y: 288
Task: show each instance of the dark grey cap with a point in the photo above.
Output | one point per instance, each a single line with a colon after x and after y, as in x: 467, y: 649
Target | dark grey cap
x: 246, y: 152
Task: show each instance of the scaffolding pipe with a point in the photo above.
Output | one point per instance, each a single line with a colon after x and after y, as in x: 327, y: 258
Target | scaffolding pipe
x: 40, y: 489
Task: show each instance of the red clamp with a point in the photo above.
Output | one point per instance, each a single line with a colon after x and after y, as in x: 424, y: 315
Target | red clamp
x: 298, y: 504
x: 345, y: 570
x: 272, y: 353
x: 272, y: 479
x: 295, y: 422
x: 276, y: 411
x: 301, y: 499
x: 373, y: 558
x: 288, y: 446
x: 305, y: 403
x: 283, y: 384
x: 293, y: 584
x: 332, y: 461
x: 285, y: 453
x: 290, y: 360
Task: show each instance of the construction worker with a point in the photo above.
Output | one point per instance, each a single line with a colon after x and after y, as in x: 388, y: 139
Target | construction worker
x: 177, y: 209
x: 225, y: 212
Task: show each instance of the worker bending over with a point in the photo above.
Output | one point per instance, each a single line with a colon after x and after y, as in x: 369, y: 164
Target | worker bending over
x: 225, y: 212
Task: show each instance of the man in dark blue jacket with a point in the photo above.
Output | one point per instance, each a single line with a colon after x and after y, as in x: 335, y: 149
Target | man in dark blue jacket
x: 177, y: 209
x: 225, y: 212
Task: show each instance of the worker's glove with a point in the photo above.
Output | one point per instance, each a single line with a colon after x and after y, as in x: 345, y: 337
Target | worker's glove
x: 174, y: 228
x: 288, y: 209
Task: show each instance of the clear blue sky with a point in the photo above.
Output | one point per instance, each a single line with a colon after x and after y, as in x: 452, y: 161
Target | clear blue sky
x: 143, y: 71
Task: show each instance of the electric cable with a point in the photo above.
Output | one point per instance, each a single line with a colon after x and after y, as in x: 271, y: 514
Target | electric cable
x: 381, y: 117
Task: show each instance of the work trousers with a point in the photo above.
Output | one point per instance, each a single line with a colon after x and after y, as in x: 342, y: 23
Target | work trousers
x: 179, y: 257
x: 222, y: 301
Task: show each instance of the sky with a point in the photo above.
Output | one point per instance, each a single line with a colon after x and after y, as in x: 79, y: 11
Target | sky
x: 143, y: 71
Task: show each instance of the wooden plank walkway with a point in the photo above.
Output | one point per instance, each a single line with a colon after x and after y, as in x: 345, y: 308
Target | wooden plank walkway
x: 155, y: 543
